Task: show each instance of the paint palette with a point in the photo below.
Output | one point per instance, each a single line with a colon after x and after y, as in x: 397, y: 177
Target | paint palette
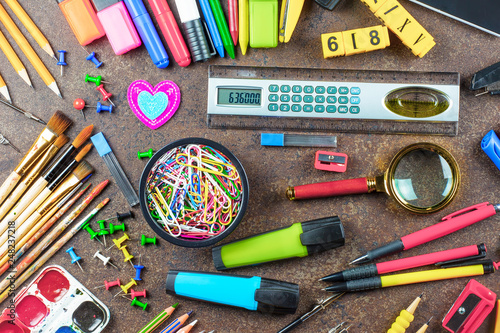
x: 55, y: 302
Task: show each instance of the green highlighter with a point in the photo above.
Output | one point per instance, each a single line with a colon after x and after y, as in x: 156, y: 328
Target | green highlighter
x: 263, y: 23
x: 297, y: 240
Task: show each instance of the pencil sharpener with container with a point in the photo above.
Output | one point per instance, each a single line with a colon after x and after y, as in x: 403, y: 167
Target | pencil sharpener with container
x: 193, y: 192
x: 330, y: 161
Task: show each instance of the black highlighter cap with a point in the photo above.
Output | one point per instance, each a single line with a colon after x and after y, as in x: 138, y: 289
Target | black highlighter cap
x: 322, y: 234
x: 103, y: 4
x: 277, y: 297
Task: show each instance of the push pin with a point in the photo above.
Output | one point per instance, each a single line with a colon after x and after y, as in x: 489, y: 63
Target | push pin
x: 105, y: 260
x: 120, y: 217
x: 61, y: 60
x: 79, y: 104
x: 97, y: 79
x: 92, y: 57
x: 92, y: 233
x: 4, y: 141
x: 126, y: 287
x: 135, y: 294
x: 113, y: 228
x: 102, y: 230
x: 135, y: 302
x: 118, y: 242
x: 127, y: 255
x: 109, y: 284
x: 145, y: 240
x: 74, y: 257
x: 105, y: 95
x: 138, y: 270
x: 147, y: 154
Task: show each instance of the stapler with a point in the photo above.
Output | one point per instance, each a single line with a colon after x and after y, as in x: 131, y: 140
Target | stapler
x: 487, y: 79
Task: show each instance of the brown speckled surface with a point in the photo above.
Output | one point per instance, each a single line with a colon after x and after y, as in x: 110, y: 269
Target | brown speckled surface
x: 369, y: 220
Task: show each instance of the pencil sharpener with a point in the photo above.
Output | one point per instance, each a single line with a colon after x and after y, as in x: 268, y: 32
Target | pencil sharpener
x: 330, y: 161
x: 470, y: 309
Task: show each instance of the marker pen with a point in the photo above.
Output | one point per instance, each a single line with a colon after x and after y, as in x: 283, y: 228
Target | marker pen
x: 117, y: 24
x: 171, y: 32
x: 193, y: 29
x: 82, y: 19
x: 148, y: 33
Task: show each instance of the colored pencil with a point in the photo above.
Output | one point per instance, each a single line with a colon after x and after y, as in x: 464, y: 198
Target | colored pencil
x: 232, y: 11
x: 14, y: 59
x: 30, y: 26
x: 159, y: 319
x: 28, y: 51
x: 243, y: 25
x: 57, y: 124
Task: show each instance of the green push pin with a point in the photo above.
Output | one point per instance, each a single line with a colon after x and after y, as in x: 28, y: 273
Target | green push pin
x: 148, y: 154
x: 91, y: 232
x: 97, y: 80
x: 113, y: 228
x: 145, y: 240
x: 135, y: 302
x: 102, y: 230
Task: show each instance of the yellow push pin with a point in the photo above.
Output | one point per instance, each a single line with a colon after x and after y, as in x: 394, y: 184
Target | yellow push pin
x: 128, y: 256
x: 126, y: 287
x: 118, y: 242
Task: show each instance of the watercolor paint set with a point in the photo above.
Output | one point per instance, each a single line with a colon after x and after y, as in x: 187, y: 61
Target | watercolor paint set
x: 55, y: 302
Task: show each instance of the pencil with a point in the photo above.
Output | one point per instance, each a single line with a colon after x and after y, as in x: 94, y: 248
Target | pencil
x: 28, y: 51
x: 159, y: 319
x: 14, y: 59
x: 30, y: 26
x: 46, y: 256
x: 4, y: 90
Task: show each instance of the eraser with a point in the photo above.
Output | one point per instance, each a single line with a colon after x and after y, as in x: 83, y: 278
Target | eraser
x: 263, y: 23
x: 272, y: 139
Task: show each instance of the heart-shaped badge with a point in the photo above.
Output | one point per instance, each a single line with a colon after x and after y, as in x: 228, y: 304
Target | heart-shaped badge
x: 154, y: 106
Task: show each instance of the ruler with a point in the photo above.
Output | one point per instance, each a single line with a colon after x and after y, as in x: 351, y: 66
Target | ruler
x: 333, y: 100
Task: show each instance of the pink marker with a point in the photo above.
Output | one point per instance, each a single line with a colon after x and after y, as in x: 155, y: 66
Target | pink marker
x: 118, y: 25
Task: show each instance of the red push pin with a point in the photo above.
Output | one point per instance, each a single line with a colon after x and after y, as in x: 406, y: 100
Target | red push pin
x: 111, y: 284
x: 79, y: 104
x: 135, y: 294
x: 105, y: 95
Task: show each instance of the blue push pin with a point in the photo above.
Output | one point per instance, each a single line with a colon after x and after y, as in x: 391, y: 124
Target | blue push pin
x: 101, y: 107
x: 61, y: 60
x: 138, y: 269
x: 91, y: 57
x: 74, y: 257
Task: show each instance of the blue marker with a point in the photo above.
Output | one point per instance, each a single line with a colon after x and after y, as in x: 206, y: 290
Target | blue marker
x: 212, y: 26
x: 148, y: 33
x: 251, y: 293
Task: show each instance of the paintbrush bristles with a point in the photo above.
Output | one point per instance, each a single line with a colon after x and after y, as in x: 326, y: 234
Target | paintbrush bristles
x: 61, y: 141
x: 83, y: 152
x: 83, y: 136
x: 58, y: 123
x: 82, y: 170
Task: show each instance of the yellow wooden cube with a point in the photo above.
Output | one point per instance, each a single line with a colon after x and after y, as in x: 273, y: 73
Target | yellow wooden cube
x: 333, y: 45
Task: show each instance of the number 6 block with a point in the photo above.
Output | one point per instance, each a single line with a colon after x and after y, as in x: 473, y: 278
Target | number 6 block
x: 355, y: 41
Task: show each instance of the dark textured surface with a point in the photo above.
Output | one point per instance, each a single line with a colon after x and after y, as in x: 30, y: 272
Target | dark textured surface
x: 369, y: 220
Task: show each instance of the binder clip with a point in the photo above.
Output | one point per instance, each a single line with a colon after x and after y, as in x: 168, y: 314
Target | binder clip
x: 470, y: 309
x: 330, y: 161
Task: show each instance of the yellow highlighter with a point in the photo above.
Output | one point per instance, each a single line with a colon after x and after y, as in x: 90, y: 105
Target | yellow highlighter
x: 290, y: 13
x: 405, y: 317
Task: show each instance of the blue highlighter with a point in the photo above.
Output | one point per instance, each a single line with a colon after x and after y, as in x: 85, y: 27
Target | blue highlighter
x: 148, y: 33
x: 251, y: 293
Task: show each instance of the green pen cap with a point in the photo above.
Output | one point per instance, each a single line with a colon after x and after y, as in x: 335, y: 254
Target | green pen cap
x: 298, y: 240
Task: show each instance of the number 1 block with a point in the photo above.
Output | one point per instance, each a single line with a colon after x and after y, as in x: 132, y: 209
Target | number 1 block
x: 355, y: 41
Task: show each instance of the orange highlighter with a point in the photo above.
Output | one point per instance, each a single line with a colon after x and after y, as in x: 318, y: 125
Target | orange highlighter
x: 82, y: 19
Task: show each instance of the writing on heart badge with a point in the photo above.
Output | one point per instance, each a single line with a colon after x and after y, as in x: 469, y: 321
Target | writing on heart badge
x: 154, y: 106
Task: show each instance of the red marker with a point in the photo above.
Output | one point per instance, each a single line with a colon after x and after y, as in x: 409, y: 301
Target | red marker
x: 450, y: 223
x: 233, y: 20
x: 171, y: 31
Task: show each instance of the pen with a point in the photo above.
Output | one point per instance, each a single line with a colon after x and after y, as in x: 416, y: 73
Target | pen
x: 243, y: 25
x: 171, y: 32
x: 147, y: 31
x: 369, y: 270
x: 220, y: 19
x: 212, y: 26
x: 449, y: 224
x: 232, y: 10
x: 413, y: 277
x: 193, y: 28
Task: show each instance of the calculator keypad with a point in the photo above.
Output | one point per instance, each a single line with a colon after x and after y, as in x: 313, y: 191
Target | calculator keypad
x: 319, y: 99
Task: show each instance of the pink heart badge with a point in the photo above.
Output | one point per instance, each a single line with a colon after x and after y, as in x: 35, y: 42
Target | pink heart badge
x: 154, y: 106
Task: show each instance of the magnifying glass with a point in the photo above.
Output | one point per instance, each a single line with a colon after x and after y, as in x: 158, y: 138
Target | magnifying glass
x: 422, y: 177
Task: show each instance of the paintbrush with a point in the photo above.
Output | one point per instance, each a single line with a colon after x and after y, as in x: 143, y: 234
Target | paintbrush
x: 33, y: 174
x: 47, y: 177
x: 57, y: 124
x: 48, y: 239
x: 50, y: 196
x: 44, y: 224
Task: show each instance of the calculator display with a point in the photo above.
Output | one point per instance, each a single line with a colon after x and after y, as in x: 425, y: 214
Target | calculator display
x: 233, y: 96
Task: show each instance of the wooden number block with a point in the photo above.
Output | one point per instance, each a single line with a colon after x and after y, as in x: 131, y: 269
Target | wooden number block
x: 333, y: 45
x: 355, y: 41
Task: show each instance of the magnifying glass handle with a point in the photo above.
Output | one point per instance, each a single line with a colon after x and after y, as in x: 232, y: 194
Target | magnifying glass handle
x: 329, y: 189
